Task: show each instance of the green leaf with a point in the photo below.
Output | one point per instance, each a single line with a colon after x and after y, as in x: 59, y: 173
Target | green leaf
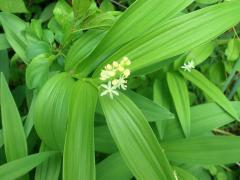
x: 175, y: 37
x: 204, y: 118
x: 204, y: 150
x: 51, y: 110
x: 80, y: 7
x: 13, y: 133
x: 184, y: 175
x: 37, y: 71
x: 36, y: 48
x: 3, y: 42
x: 49, y: 170
x: 103, y: 140
x: 113, y: 167
x: 5, y: 64
x: 200, y: 53
x: 13, y: 6
x: 233, y: 49
x: 78, y: 156
x: 123, y: 31
x: 135, y: 139
x: 13, y: 28
x: 162, y: 96
x: 19, y: 167
x: 82, y: 48
x: 179, y: 93
x: 152, y: 111
x: 63, y: 14
x: 211, y: 90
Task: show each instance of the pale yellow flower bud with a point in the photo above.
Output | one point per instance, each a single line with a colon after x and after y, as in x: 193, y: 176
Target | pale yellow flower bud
x: 112, y: 73
x: 115, y: 82
x: 126, y: 73
x: 120, y: 68
x: 115, y: 64
x: 109, y: 67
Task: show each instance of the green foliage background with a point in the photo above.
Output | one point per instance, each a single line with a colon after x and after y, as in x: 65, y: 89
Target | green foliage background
x: 169, y: 124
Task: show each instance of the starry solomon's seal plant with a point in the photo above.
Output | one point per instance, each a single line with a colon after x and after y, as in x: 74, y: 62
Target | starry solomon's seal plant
x: 117, y: 93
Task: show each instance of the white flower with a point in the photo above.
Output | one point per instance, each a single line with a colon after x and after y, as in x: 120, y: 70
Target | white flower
x: 122, y: 83
x: 109, y: 89
x: 188, y: 66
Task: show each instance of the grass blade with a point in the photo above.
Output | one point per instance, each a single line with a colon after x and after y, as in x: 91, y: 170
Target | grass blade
x: 13, y: 133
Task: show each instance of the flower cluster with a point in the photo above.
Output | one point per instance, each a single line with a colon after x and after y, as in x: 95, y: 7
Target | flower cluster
x: 188, y: 66
x: 115, y: 75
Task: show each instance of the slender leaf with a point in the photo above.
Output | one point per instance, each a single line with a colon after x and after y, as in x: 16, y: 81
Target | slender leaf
x: 113, y: 167
x: 13, y: 133
x: 179, y: 92
x: 135, y: 138
x: 204, y: 150
x: 17, y: 168
x: 78, y: 157
x: 211, y: 90
x: 103, y: 140
x: 50, y: 169
x: 152, y: 111
x: 13, y: 28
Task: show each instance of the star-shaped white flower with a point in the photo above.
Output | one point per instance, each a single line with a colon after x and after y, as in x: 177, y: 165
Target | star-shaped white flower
x: 188, y: 66
x: 109, y: 89
x: 122, y: 83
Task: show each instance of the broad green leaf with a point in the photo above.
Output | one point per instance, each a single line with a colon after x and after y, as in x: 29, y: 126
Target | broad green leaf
x: 3, y: 42
x: 13, y: 6
x: 179, y: 93
x: 135, y: 138
x: 37, y: 71
x: 13, y: 133
x: 82, y: 48
x: 233, y: 49
x: 36, y: 48
x: 51, y: 110
x: 204, y: 118
x: 19, y: 167
x: 211, y: 90
x: 14, y: 29
x: 80, y: 7
x: 50, y: 169
x: 204, y: 150
x: 78, y: 156
x: 63, y: 14
x: 184, y: 175
x: 103, y: 140
x: 153, y: 49
x: 123, y: 31
x: 152, y: 111
x: 113, y: 167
